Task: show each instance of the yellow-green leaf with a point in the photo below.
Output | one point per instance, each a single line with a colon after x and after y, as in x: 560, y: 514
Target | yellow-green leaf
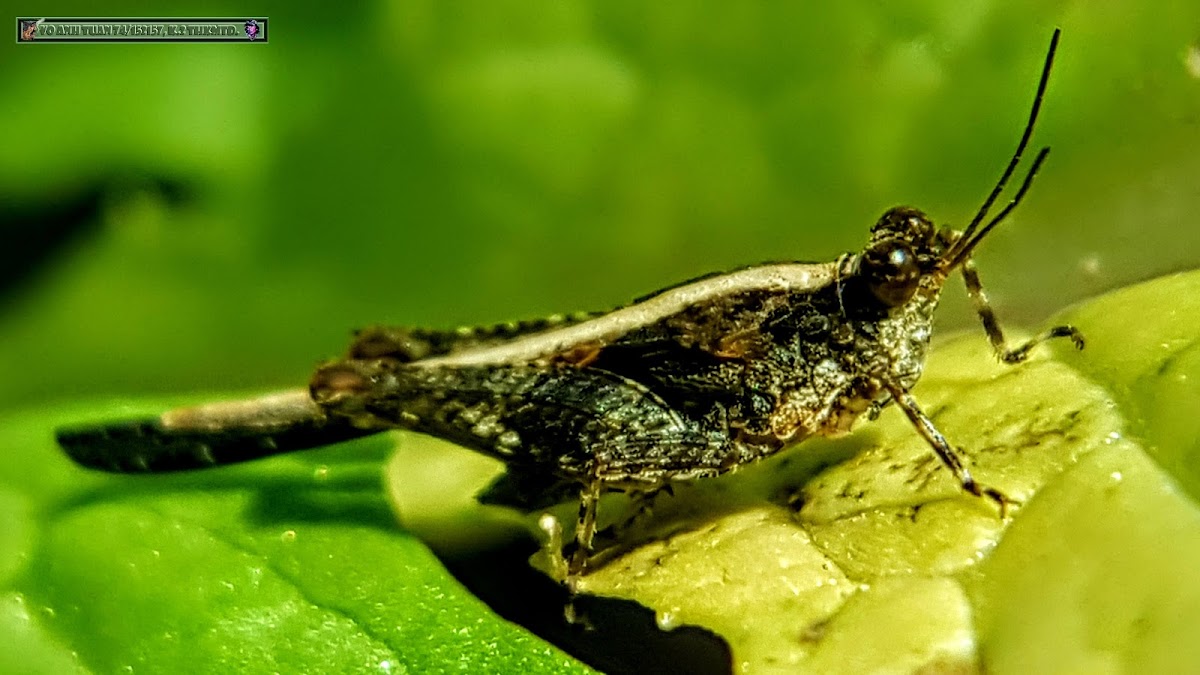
x: 881, y: 563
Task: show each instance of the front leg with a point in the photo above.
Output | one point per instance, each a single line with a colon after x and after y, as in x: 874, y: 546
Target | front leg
x: 945, y: 452
x: 992, y: 326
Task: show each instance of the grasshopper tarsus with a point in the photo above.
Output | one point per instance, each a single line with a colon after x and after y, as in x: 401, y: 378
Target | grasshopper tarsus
x: 1020, y: 353
x: 1068, y: 331
x: 1002, y: 500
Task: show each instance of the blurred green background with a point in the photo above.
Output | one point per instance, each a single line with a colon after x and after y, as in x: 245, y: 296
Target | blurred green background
x: 215, y: 217
x: 180, y: 219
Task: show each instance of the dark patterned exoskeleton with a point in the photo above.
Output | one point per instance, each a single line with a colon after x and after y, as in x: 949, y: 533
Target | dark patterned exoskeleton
x: 692, y: 381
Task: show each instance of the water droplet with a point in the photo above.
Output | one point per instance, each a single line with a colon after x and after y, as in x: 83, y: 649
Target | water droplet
x: 1112, y: 437
x: 549, y: 524
x: 1091, y: 265
x: 1116, y: 476
x: 385, y: 666
x: 321, y: 473
x: 667, y: 620
x: 1191, y: 61
x: 288, y: 536
x: 791, y: 586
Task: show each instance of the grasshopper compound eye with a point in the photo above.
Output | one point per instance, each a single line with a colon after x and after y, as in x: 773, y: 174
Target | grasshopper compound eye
x: 891, y: 271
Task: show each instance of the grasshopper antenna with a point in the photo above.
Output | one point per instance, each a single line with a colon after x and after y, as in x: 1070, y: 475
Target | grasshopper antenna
x: 969, y: 239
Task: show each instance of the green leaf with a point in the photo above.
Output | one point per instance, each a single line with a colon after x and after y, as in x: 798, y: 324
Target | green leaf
x: 880, y: 563
x: 1149, y: 364
x: 294, y: 564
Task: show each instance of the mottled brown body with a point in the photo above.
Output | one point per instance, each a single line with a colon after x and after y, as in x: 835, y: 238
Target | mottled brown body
x: 665, y: 401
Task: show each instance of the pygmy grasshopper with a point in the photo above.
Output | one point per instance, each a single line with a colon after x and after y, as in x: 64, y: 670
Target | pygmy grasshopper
x: 692, y: 381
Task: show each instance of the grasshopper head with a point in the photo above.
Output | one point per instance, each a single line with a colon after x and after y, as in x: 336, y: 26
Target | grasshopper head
x: 906, y: 251
x: 904, y: 247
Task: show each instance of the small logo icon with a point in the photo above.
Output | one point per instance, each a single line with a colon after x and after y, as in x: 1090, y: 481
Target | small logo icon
x: 29, y: 30
x: 252, y: 29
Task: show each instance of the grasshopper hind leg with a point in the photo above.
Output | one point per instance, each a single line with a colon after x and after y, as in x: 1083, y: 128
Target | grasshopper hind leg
x: 585, y: 532
x: 567, y: 570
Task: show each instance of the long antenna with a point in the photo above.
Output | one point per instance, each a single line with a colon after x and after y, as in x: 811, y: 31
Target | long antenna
x: 965, y: 249
x: 962, y: 244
